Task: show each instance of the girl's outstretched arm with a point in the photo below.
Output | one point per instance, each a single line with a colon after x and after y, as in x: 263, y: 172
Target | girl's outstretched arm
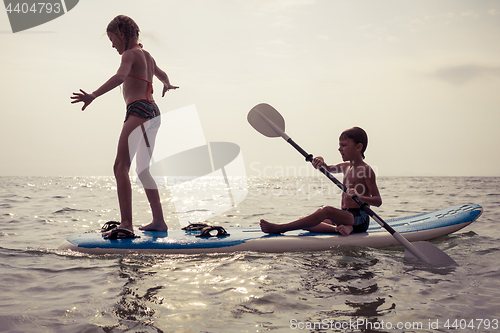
x: 113, y: 82
x: 82, y: 96
x: 163, y: 77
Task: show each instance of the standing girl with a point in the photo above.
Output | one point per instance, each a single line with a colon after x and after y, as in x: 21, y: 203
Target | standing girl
x: 136, y: 73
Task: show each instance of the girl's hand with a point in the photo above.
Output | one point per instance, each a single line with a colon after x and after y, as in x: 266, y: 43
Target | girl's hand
x: 318, y: 161
x: 82, y: 97
x: 167, y: 88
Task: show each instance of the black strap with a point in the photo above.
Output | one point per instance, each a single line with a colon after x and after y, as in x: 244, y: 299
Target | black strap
x: 110, y: 225
x: 195, y: 226
x: 205, y: 232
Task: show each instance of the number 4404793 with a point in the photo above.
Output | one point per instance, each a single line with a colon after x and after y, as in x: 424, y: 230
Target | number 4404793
x: 35, y: 8
x: 472, y: 324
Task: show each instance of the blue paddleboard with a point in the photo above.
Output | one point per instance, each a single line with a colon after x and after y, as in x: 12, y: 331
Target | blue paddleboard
x: 414, y: 228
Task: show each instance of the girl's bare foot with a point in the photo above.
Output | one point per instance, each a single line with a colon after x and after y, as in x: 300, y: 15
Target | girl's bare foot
x: 155, y: 226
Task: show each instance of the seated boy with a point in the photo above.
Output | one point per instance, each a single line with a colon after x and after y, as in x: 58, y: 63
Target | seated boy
x: 359, y: 179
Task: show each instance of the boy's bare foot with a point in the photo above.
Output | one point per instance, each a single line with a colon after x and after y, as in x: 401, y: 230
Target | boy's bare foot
x: 344, y: 230
x: 155, y: 226
x: 270, y: 228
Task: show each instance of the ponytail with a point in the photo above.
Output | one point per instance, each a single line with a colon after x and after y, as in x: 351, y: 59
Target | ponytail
x: 125, y: 25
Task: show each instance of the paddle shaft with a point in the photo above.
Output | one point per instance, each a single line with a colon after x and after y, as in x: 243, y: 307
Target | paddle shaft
x: 409, y: 246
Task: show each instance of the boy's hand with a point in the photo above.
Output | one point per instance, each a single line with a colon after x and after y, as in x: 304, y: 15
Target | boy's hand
x: 318, y: 161
x: 82, y: 97
x: 352, y: 192
x: 167, y: 88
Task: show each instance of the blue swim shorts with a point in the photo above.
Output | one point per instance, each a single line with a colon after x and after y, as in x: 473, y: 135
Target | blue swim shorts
x: 361, y: 219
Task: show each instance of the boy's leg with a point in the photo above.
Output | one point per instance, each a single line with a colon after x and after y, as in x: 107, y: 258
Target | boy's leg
x: 336, y: 223
x: 326, y: 226
x: 336, y: 215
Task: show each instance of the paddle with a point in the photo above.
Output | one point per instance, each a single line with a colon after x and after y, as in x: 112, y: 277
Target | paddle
x: 269, y: 122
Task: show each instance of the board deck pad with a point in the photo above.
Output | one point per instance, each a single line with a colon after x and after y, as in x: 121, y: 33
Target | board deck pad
x: 415, y: 228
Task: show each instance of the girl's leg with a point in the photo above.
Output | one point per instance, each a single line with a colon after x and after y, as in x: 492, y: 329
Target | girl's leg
x: 121, y: 170
x: 339, y: 217
x: 143, y: 158
x: 158, y: 223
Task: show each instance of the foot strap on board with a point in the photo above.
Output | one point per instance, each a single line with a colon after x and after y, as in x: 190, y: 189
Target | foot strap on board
x: 110, y: 225
x: 121, y: 233
x: 195, y: 226
x: 205, y: 232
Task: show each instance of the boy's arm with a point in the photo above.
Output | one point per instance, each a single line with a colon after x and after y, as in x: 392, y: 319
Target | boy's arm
x: 163, y: 77
x: 374, y: 199
x: 338, y: 168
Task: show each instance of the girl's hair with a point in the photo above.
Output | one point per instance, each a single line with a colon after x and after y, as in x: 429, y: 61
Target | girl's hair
x: 358, y: 135
x: 125, y: 25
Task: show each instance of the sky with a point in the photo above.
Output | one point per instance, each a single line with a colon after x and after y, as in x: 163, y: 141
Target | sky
x: 421, y: 77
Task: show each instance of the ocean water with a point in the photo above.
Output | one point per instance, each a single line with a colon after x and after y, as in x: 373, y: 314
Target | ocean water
x: 44, y: 289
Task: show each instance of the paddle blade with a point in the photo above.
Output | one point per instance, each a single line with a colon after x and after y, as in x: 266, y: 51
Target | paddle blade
x: 434, y: 255
x: 261, y: 125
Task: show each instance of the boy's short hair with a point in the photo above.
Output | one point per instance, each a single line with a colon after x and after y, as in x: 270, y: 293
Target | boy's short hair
x: 358, y: 135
